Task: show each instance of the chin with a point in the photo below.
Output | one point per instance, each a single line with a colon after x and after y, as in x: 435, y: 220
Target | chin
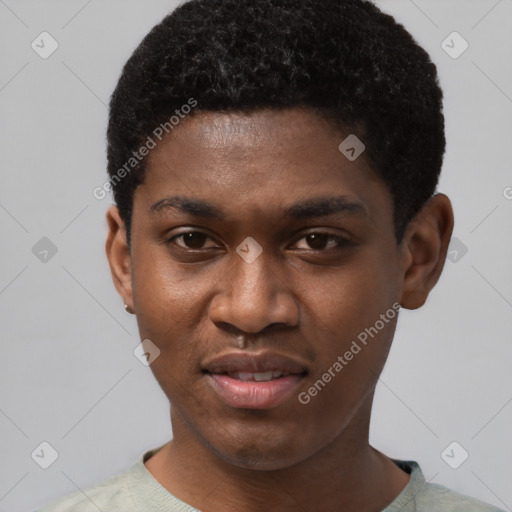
x: 273, y: 450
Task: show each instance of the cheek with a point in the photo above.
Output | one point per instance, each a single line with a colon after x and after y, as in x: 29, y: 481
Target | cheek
x: 353, y: 299
x: 167, y: 314
x: 345, y: 376
x: 167, y: 296
x: 353, y: 320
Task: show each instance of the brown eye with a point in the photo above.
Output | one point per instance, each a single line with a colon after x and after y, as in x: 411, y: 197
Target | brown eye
x: 321, y: 241
x: 317, y: 240
x: 194, y: 240
x: 191, y: 240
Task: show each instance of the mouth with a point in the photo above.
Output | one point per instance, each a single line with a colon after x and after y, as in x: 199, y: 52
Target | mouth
x: 254, y: 381
x: 257, y: 376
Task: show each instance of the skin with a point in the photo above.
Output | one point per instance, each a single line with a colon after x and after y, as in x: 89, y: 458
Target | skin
x: 302, y: 297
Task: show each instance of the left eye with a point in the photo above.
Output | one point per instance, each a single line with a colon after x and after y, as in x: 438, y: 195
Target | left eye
x: 322, y: 241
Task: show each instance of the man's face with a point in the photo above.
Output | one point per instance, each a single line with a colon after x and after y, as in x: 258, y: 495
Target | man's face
x: 219, y: 312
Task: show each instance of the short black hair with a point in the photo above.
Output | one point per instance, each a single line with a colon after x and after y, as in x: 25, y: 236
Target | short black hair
x: 344, y: 59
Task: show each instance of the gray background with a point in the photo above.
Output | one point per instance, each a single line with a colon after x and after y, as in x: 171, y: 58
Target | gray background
x: 68, y: 375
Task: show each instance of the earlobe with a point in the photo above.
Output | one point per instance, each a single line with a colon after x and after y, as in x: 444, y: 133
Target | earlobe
x: 119, y: 258
x: 425, y: 246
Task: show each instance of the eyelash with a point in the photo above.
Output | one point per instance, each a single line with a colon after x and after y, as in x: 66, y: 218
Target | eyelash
x: 341, y: 241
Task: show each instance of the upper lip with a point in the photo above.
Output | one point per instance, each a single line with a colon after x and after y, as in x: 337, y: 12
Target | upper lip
x: 254, y: 363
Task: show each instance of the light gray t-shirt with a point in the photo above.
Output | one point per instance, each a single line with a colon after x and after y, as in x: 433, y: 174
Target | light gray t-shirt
x: 136, y: 490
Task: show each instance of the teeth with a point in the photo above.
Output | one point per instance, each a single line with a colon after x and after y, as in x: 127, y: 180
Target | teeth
x: 258, y: 377
x: 263, y: 376
x: 244, y: 376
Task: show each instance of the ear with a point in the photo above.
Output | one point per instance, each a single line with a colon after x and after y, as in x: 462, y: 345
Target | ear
x: 119, y: 258
x: 424, y: 247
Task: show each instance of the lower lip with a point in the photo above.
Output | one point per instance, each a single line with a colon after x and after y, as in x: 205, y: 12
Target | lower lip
x: 254, y: 395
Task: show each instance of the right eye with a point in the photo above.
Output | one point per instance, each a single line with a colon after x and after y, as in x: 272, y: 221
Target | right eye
x: 193, y: 240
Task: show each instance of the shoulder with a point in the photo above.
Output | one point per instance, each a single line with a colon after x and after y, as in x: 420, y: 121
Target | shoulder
x: 422, y: 496
x: 130, y: 491
x: 111, y: 494
x: 438, y: 497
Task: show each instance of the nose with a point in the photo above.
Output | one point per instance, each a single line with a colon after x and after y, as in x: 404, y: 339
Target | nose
x: 252, y: 297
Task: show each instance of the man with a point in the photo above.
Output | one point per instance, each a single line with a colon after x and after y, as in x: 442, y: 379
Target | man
x: 274, y: 165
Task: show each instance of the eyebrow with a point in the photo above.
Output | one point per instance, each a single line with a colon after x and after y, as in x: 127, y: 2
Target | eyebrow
x: 324, y: 206
x: 192, y: 206
x: 311, y: 208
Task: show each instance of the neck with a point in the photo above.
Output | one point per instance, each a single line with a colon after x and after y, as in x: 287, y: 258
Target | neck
x: 348, y: 474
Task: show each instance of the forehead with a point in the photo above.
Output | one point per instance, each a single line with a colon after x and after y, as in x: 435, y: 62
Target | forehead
x: 258, y: 161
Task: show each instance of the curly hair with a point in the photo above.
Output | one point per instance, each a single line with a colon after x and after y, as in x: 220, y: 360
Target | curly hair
x: 345, y: 59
